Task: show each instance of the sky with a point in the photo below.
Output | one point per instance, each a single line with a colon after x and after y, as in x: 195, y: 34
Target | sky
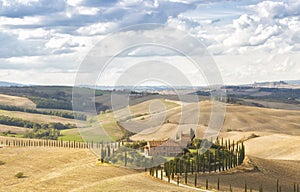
x: 45, y: 42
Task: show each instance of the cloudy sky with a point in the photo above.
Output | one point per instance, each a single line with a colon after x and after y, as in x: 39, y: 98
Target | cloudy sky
x: 44, y: 42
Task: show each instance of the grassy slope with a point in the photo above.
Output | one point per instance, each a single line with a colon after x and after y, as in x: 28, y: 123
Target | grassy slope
x: 16, y: 101
x: 109, y: 120
x: 39, y: 118
x: 18, y: 130
x: 57, y: 169
x: 241, y: 118
x: 70, y: 135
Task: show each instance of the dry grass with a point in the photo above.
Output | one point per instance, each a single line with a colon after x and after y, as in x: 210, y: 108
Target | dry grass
x: 16, y: 101
x: 266, y: 174
x: 57, y: 169
x: 237, y: 118
x: 244, y: 118
x: 268, y: 145
x: 54, y: 169
x: 109, y: 124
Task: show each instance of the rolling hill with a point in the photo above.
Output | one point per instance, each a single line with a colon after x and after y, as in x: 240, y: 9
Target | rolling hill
x: 16, y: 101
x: 58, y: 169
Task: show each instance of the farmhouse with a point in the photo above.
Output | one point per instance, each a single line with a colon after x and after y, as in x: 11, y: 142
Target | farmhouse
x: 167, y: 147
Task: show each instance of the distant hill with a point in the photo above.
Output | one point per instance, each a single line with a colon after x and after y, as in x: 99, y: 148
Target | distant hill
x: 10, y: 84
x: 293, y: 82
x: 271, y: 84
x: 289, y: 84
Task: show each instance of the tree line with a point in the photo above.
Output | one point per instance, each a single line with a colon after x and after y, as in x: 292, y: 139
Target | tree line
x: 38, y: 130
x: 18, y: 122
x: 63, y: 114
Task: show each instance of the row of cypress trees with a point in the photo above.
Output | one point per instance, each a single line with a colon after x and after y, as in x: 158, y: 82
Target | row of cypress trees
x: 222, y: 158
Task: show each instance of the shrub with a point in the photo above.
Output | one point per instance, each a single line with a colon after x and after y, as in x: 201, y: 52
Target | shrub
x: 19, y: 175
x: 253, y: 135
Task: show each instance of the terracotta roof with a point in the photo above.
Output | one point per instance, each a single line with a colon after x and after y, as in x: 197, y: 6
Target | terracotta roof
x: 171, y: 143
x: 156, y: 143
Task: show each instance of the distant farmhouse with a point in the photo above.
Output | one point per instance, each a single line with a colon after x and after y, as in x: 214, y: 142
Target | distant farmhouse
x: 168, y: 147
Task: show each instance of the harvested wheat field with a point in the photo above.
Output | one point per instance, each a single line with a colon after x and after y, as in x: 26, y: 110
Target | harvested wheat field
x: 16, y: 101
x: 238, y: 119
x: 259, y: 172
x: 58, y: 169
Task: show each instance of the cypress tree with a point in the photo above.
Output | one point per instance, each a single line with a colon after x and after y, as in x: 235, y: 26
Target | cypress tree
x: 215, y: 161
x: 177, y: 179
x: 206, y: 184
x: 108, y: 150
x: 188, y: 165
x: 169, y: 171
x: 173, y: 169
x: 209, y: 160
x: 185, y: 173
x: 102, y: 155
x: 197, y: 163
x: 277, y: 185
x: 222, y: 142
x: 125, y: 159
x: 180, y: 166
x: 218, y: 184
x: 242, y: 154
x: 223, y: 161
x: 176, y: 166
x: 195, y: 181
x: 192, y: 166
x: 203, y: 163
x: 218, y: 159
x: 230, y: 160
x: 166, y: 168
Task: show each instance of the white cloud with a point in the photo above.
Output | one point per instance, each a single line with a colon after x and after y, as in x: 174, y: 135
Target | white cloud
x: 26, y: 20
x: 97, y: 28
x: 269, y: 9
x: 38, y: 33
x: 74, y: 2
x: 43, y: 33
x: 20, y: 8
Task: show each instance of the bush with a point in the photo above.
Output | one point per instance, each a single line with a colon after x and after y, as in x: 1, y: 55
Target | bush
x: 19, y: 175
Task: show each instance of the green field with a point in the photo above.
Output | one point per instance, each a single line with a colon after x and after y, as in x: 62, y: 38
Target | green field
x: 70, y: 135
